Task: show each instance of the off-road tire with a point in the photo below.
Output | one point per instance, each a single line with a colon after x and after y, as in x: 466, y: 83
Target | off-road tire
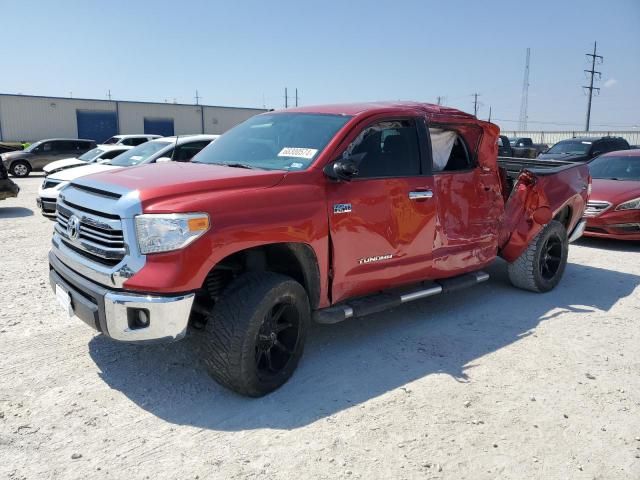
x: 528, y: 271
x: 20, y: 169
x: 233, y: 336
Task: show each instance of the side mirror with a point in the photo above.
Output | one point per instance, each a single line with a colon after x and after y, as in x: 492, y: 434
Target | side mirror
x: 163, y: 160
x: 341, y: 170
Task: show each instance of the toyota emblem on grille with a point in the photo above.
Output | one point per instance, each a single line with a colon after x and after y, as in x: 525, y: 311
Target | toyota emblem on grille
x: 73, y: 227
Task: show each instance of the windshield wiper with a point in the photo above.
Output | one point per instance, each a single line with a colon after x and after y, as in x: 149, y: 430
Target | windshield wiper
x: 238, y: 165
x: 233, y: 165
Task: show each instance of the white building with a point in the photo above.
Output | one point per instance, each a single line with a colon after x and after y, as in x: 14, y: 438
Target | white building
x: 30, y: 118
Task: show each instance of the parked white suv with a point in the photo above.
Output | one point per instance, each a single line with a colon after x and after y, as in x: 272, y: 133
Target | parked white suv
x: 100, y: 153
x: 165, y: 149
x: 130, y: 140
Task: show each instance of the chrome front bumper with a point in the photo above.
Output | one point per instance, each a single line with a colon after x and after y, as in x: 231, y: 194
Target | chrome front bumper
x: 114, y: 313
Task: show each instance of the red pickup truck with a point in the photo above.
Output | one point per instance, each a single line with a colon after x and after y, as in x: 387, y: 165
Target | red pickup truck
x: 318, y: 213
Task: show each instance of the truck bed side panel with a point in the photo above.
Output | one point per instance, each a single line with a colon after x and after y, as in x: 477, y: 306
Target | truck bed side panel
x: 538, y: 195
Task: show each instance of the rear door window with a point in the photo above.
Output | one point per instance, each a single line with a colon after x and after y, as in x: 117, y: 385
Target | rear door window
x: 449, y: 151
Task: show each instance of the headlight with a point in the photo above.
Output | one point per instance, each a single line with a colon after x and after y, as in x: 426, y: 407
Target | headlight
x: 172, y: 231
x: 630, y: 205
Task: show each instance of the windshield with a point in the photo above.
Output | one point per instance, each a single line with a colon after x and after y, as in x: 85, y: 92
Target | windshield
x: 615, y: 168
x: 91, y: 155
x: 33, y: 146
x: 111, y: 140
x: 574, y: 147
x: 140, y: 154
x: 277, y: 141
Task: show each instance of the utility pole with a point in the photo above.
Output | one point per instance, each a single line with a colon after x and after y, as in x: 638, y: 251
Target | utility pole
x: 197, y: 97
x: 475, y: 104
x: 286, y: 98
x: 489, y: 113
x: 592, y: 73
x: 440, y: 98
x: 296, y: 96
x: 109, y: 94
x: 524, y: 101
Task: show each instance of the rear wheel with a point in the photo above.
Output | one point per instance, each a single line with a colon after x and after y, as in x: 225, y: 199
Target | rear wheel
x: 542, y: 264
x: 20, y: 168
x: 255, y: 334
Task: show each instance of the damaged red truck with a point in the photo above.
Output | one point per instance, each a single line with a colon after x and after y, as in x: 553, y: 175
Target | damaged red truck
x: 318, y: 213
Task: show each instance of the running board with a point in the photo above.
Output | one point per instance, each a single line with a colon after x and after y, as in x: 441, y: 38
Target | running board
x: 360, y: 307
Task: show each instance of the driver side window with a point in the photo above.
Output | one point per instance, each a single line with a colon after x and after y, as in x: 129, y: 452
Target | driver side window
x: 386, y: 149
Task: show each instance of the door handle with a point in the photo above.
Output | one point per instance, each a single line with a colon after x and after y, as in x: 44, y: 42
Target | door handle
x: 420, y: 195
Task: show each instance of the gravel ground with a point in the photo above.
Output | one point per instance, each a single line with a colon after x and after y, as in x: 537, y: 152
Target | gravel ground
x: 490, y: 383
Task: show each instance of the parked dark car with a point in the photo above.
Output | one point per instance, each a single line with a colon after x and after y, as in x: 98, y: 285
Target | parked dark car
x: 583, y: 149
x: 504, y: 147
x: 524, y: 147
x: 39, y: 154
x: 10, y: 147
x: 8, y: 189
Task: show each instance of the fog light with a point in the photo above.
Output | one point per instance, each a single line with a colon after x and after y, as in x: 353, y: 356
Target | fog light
x: 138, y: 318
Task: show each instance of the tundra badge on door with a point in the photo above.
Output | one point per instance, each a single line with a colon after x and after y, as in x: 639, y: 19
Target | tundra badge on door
x: 342, y: 208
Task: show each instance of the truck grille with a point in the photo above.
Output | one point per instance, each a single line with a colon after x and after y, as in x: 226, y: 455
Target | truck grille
x: 595, y: 208
x: 99, y: 238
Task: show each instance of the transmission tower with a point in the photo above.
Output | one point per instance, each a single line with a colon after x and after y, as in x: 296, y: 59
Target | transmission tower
x: 524, y: 101
x: 592, y: 73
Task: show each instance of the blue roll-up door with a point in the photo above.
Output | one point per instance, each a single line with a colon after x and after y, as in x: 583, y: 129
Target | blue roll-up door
x: 96, y: 125
x: 159, y: 126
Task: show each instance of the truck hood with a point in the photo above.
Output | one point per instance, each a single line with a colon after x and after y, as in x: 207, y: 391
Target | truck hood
x: 62, y: 164
x: 614, y: 191
x: 173, y: 179
x: 72, y: 173
x: 567, y: 157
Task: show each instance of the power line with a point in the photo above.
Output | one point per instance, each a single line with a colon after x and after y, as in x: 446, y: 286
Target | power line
x: 592, y: 73
x: 561, y: 123
x: 524, y: 101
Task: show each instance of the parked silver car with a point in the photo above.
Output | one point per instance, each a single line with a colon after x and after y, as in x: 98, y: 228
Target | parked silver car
x: 39, y: 154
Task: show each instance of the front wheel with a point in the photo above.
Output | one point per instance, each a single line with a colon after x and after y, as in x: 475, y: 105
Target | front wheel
x: 255, y: 334
x: 20, y: 169
x: 542, y: 264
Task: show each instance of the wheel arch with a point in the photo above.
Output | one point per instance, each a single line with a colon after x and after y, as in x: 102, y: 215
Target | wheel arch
x: 295, y: 259
x: 564, y: 216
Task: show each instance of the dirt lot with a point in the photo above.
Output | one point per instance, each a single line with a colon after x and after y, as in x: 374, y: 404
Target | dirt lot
x: 491, y: 383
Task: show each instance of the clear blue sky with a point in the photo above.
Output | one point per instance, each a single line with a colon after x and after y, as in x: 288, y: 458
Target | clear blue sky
x: 243, y: 53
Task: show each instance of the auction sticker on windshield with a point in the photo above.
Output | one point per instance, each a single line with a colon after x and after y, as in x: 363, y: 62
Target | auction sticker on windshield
x: 295, y: 152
